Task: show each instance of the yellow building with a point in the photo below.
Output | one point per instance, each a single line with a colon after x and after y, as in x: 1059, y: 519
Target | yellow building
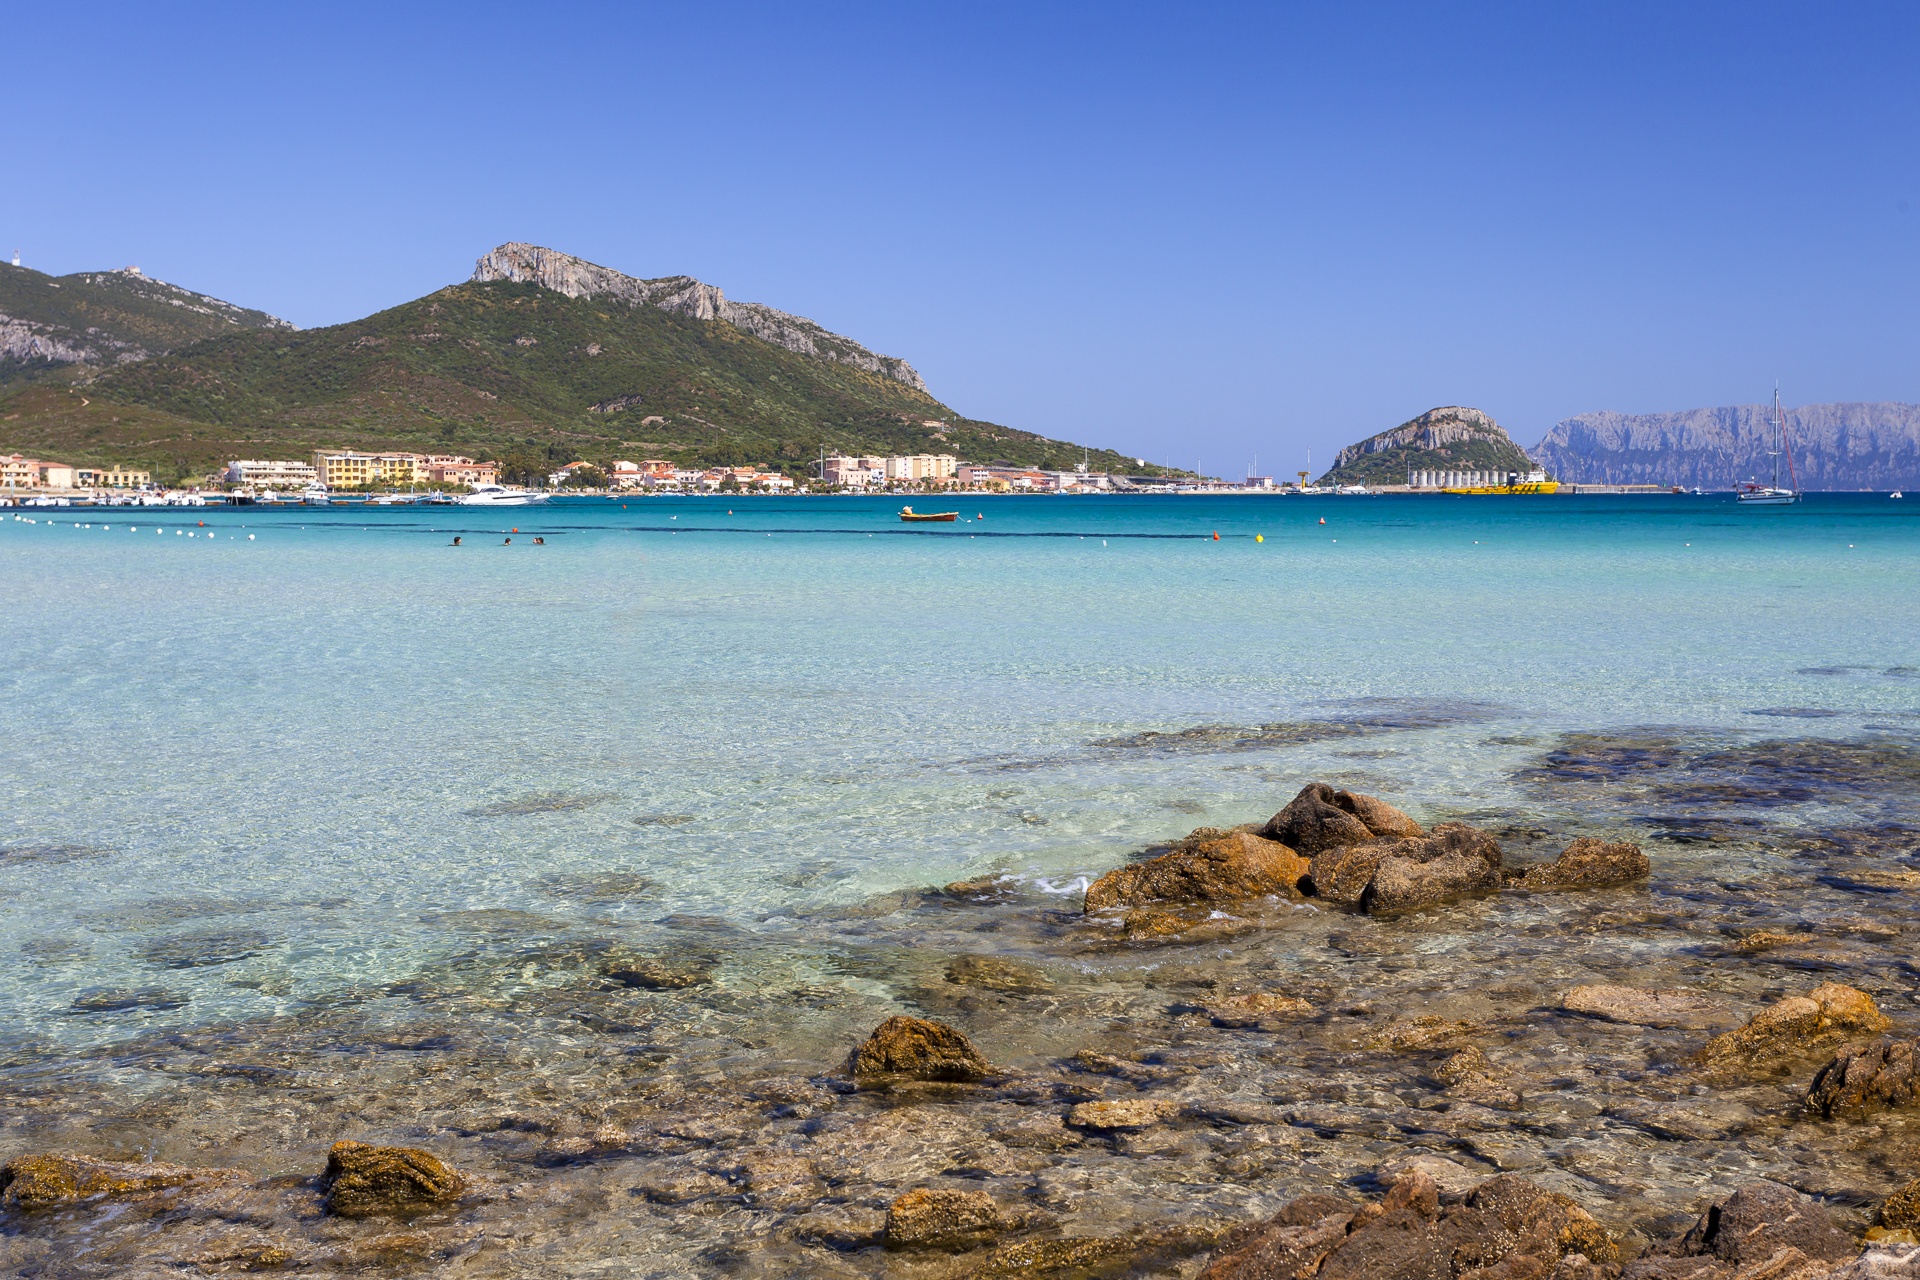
x: 114, y: 477
x: 345, y: 469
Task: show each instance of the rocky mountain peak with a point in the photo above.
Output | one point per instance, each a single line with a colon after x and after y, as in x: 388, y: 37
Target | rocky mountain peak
x: 1434, y: 429
x: 1451, y: 437
x: 683, y: 295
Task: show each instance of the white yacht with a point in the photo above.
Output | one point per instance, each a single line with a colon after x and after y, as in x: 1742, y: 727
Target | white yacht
x: 315, y: 495
x: 498, y: 495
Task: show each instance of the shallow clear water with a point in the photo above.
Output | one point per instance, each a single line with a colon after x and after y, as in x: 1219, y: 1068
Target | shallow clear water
x: 305, y: 752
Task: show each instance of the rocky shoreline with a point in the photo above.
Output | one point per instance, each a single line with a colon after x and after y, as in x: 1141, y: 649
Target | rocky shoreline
x: 1339, y: 1042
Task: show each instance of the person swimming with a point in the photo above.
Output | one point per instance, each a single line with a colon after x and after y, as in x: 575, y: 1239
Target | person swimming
x: 456, y: 539
x: 507, y: 543
x: 539, y: 542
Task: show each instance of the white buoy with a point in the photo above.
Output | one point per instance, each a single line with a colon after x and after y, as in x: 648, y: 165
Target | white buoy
x: 249, y: 537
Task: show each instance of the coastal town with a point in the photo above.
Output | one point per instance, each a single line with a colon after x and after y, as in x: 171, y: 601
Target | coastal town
x: 344, y: 473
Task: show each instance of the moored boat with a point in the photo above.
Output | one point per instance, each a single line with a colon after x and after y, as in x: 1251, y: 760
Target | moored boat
x: 1753, y: 493
x: 498, y: 495
x: 909, y: 515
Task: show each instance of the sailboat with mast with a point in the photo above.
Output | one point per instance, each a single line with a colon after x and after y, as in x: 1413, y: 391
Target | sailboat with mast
x: 1755, y: 494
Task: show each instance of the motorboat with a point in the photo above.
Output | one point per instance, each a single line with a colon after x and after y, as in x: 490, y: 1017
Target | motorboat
x: 315, y: 495
x: 499, y: 495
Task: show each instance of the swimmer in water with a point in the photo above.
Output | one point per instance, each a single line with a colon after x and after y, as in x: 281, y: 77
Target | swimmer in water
x: 507, y: 543
x: 539, y: 542
x: 456, y: 539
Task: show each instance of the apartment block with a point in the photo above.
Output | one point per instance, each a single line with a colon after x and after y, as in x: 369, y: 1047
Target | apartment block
x: 346, y: 469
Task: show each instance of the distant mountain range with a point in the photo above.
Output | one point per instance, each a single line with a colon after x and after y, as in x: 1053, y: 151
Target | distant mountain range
x: 1873, y: 446
x: 103, y: 318
x: 1453, y: 438
x: 540, y: 356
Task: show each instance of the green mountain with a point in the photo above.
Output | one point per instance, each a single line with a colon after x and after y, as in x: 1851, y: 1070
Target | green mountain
x: 103, y: 318
x: 540, y: 357
x: 1446, y: 439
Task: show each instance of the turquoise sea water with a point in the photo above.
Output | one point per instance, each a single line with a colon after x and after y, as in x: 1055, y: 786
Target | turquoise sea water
x: 279, y: 755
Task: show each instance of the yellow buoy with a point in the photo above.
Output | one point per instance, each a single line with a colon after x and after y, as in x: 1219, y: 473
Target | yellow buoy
x: 1259, y: 537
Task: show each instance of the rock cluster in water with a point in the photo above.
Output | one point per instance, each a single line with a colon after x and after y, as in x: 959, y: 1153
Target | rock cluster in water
x: 1339, y: 1043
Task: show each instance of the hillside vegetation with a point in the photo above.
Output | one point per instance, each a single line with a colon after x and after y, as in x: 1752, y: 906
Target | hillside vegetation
x: 493, y: 368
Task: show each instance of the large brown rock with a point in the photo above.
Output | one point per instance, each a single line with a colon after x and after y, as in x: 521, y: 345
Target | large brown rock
x: 1207, y: 866
x: 361, y: 1179
x: 1507, y: 1229
x: 1388, y: 876
x: 1292, y: 1243
x: 1870, y: 1078
x: 1791, y: 1028
x: 1901, y: 1210
x: 1454, y: 861
x: 1758, y: 1222
x: 1587, y: 863
x: 50, y: 1178
x: 1322, y: 818
x: 914, y: 1048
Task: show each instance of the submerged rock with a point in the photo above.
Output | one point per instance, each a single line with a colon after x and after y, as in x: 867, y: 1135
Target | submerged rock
x: 1427, y: 1031
x: 1208, y: 866
x: 119, y: 999
x: 1321, y: 818
x: 997, y: 974
x: 1874, y: 1078
x: 660, y: 973
x: 1124, y: 1116
x: 1587, y: 863
x: 361, y: 1179
x: 1256, y: 1009
x: 52, y: 1178
x: 1792, y: 1027
x: 916, y: 1049
x: 952, y: 1221
x: 1640, y: 1007
x: 1184, y: 924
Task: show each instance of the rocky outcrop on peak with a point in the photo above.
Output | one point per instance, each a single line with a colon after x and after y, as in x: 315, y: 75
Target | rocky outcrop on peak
x: 685, y: 296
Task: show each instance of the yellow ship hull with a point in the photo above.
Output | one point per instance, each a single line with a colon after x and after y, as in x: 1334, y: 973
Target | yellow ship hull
x: 1537, y: 486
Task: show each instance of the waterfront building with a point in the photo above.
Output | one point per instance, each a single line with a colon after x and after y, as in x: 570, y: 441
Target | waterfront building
x: 17, y: 471
x: 345, y: 469
x: 854, y: 473
x: 452, y: 468
x: 921, y: 466
x: 271, y: 474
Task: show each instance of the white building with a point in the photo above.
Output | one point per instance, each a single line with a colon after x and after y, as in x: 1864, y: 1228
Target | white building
x: 272, y: 474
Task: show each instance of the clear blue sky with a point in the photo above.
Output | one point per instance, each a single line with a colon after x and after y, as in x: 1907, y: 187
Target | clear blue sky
x: 1190, y: 232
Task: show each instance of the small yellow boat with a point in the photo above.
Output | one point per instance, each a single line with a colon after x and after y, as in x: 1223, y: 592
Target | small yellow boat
x: 909, y: 515
x: 1524, y: 486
